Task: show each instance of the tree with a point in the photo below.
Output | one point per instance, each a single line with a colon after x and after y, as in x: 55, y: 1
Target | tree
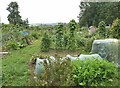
x: 14, y: 16
x: 88, y: 13
x: 91, y: 13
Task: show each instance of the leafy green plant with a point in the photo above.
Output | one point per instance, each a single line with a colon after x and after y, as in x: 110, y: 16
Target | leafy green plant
x: 72, y: 41
x: 45, y: 45
x: 35, y: 35
x: 93, y: 72
x: 59, y: 36
x: 72, y: 25
x: 115, y: 30
x: 23, y: 42
x: 20, y: 45
x: 12, y: 45
x: 80, y: 42
x: 88, y: 44
x: 65, y: 40
x: 19, y: 34
x: 102, y: 29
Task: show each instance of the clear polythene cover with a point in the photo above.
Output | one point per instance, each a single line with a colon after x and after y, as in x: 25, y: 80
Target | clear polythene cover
x: 108, y: 49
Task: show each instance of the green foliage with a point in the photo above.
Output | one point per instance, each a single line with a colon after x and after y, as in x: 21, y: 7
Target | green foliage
x: 35, y: 35
x: 57, y: 73
x: 115, y: 30
x: 59, y: 26
x: 19, y: 34
x: 20, y: 45
x: 80, y: 41
x: 84, y: 43
x: 72, y: 41
x: 45, y: 43
x: 63, y: 72
x: 12, y: 45
x: 14, y: 17
x: 93, y: 72
x: 59, y: 36
x: 102, y: 29
x: 91, y: 13
x: 59, y: 39
x: 72, y: 25
x: 65, y: 41
x: 88, y: 44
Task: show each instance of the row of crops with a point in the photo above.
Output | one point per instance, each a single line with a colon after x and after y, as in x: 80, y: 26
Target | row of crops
x: 71, y: 37
x: 56, y: 37
x: 62, y: 36
x: 67, y: 37
x: 16, y: 37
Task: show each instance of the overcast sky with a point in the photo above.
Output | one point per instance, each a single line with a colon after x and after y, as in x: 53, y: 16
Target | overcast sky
x: 43, y: 11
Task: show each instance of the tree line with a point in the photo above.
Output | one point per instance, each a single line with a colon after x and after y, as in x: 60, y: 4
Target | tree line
x: 91, y: 13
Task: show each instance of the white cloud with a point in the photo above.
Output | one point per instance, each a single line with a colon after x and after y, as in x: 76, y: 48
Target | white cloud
x: 43, y: 11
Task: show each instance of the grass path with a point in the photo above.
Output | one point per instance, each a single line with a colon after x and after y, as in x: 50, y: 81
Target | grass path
x: 15, y: 65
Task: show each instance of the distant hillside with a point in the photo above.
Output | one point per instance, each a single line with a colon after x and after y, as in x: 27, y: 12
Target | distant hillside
x: 38, y: 24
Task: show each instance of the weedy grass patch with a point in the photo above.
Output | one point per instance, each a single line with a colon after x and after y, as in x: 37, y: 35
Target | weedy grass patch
x: 15, y: 66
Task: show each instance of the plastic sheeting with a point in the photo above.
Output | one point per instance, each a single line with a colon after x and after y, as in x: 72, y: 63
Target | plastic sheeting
x: 107, y: 49
x: 92, y: 56
x: 71, y: 57
x: 39, y: 67
x: 53, y: 58
x: 84, y: 57
x: 24, y: 33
